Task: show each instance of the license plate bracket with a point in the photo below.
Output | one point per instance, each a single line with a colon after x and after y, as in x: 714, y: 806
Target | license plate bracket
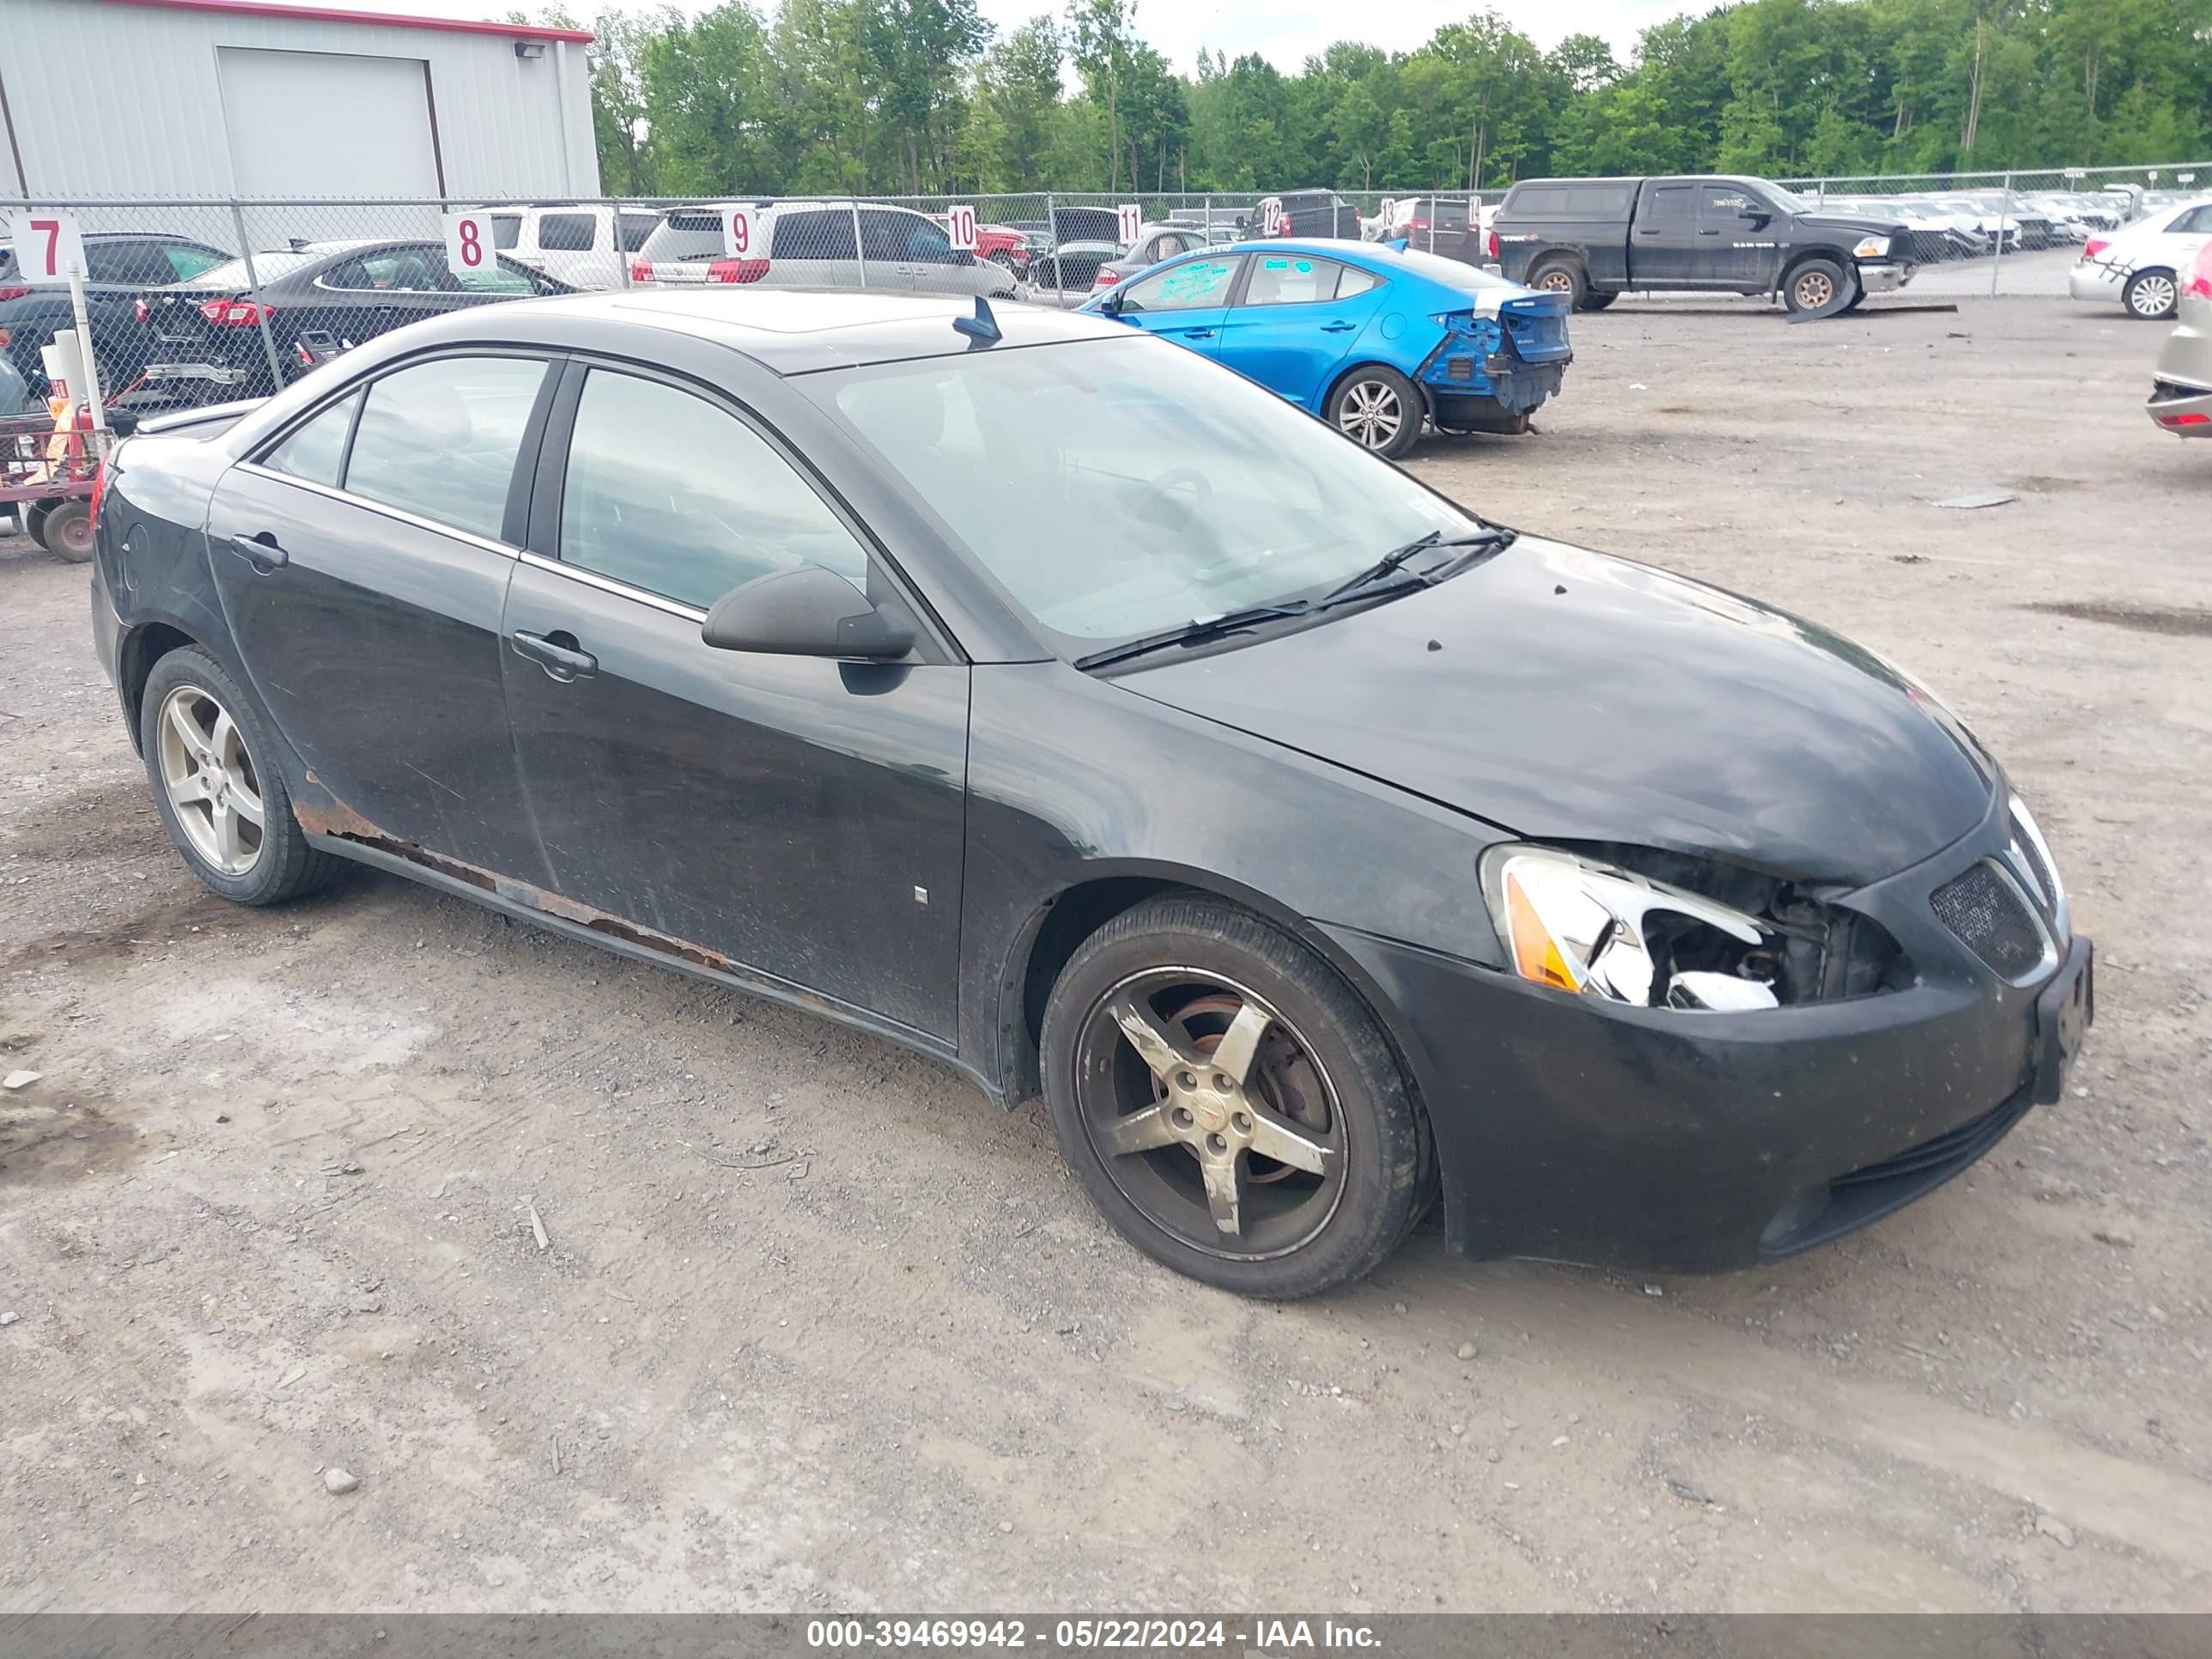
x: 2064, y: 1009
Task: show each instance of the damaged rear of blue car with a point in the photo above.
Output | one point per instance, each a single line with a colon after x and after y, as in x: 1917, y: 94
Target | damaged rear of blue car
x: 1375, y: 340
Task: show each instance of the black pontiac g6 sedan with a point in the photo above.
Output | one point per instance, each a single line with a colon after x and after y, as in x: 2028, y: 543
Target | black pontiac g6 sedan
x: 1049, y: 699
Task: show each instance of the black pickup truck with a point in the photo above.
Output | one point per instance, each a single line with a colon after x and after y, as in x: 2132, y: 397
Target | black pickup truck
x: 1595, y: 239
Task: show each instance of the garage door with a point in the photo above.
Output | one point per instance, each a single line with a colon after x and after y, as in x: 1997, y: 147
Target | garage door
x: 327, y: 123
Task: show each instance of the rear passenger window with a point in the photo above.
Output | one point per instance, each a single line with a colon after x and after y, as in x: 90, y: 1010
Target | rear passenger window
x: 1289, y: 280
x: 565, y: 232
x: 506, y: 231
x: 669, y: 493
x: 813, y: 235
x: 316, y: 450
x: 1670, y: 205
x: 440, y: 439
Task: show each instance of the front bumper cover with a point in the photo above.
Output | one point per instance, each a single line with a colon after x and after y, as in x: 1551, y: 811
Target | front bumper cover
x: 1581, y: 1130
x: 1883, y: 275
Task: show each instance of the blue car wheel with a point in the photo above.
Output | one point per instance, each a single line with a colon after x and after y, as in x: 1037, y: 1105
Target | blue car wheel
x: 1377, y: 408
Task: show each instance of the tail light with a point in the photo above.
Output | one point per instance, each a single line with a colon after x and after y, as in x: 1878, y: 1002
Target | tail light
x: 1493, y: 245
x: 1417, y: 224
x: 2175, y: 422
x: 2200, y: 276
x: 2094, y: 246
x: 1105, y: 279
x: 13, y: 291
x: 99, y: 489
x: 737, y: 271
x: 640, y: 270
x: 142, y: 311
x: 237, y: 313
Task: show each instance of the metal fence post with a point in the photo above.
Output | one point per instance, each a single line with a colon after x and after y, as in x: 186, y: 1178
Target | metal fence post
x: 260, y: 316
x: 1052, y: 229
x: 1209, y: 221
x: 860, y: 257
x: 622, y: 254
x: 1996, y: 263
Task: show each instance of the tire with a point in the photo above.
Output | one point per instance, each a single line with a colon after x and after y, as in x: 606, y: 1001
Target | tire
x: 1592, y: 299
x: 1857, y: 299
x: 1819, y: 288
x: 2151, y: 295
x: 1560, y: 276
x: 280, y: 864
x: 1377, y: 408
x: 1322, y: 1082
x: 34, y: 521
x: 66, y: 531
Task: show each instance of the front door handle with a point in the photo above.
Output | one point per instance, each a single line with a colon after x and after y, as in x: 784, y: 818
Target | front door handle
x: 1338, y: 328
x: 260, y: 551
x: 1197, y: 333
x: 1650, y: 230
x: 557, y: 654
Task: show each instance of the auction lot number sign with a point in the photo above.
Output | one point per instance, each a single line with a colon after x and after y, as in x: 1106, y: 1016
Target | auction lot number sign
x: 48, y: 245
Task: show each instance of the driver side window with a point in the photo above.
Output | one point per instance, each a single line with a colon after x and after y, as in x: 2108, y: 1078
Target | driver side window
x: 1185, y: 287
x: 667, y: 492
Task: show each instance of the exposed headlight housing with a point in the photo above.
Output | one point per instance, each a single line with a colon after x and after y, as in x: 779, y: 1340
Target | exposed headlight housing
x: 1872, y: 247
x: 1577, y: 925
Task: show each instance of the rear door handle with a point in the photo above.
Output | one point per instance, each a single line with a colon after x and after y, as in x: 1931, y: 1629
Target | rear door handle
x: 557, y: 654
x: 1708, y: 232
x: 1338, y: 328
x: 260, y: 551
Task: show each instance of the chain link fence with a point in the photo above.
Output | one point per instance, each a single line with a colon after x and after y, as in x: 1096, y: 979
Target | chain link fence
x: 193, y: 301
x: 2017, y: 233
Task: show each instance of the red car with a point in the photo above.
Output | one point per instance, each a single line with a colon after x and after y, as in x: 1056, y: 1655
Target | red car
x: 1008, y: 247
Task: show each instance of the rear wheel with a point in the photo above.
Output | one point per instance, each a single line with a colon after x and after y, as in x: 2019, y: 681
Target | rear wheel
x: 1819, y: 288
x: 221, y: 795
x: 1560, y: 276
x: 1229, y: 1103
x: 1377, y: 407
x: 66, y: 531
x: 2151, y: 295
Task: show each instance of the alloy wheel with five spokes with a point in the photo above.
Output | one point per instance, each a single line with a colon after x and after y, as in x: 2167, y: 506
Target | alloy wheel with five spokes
x: 213, y: 787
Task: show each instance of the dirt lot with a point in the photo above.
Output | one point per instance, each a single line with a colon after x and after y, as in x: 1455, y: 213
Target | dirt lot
x: 818, y: 1327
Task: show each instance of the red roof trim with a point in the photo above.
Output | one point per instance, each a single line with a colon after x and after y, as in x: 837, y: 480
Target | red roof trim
x: 386, y: 19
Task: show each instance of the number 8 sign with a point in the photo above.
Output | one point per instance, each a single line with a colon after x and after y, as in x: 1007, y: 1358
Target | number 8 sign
x: 960, y: 226
x: 469, y: 246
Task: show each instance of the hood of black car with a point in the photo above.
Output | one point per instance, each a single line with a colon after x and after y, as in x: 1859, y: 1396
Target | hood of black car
x: 1852, y: 221
x: 1565, y: 695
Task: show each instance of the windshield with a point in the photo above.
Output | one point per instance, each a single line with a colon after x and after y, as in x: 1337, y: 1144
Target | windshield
x: 1121, y: 487
x: 1787, y: 200
x: 232, y: 273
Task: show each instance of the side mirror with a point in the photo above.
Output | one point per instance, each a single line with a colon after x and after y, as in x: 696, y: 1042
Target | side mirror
x: 1111, y: 305
x: 805, y: 612
x: 1758, y: 216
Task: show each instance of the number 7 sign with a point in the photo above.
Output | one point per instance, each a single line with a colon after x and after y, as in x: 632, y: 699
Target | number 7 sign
x: 48, y: 245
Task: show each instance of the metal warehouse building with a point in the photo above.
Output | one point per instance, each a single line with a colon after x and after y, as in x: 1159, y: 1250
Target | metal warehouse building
x: 159, y: 98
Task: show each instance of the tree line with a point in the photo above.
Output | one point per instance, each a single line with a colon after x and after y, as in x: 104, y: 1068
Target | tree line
x: 924, y: 97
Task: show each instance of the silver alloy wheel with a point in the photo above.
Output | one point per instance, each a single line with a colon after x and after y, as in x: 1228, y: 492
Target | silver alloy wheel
x: 1370, y: 412
x: 1213, y: 1114
x: 213, y: 787
x: 2152, y: 296
x: 1814, y: 290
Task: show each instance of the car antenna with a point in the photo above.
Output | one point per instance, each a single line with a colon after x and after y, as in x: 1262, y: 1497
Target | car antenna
x: 982, y: 327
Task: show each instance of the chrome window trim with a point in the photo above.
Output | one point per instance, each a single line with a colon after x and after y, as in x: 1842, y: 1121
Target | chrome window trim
x: 399, y: 514
x: 608, y: 585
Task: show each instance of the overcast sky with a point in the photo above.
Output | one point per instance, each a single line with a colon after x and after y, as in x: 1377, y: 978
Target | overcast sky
x: 1286, y: 32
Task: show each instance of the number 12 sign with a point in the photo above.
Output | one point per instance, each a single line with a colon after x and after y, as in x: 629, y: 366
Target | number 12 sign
x: 48, y: 245
x: 960, y: 226
x: 470, y: 250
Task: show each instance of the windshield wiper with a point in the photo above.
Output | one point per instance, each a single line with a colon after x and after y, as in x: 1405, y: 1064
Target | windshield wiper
x: 1490, y: 536
x: 1196, y: 631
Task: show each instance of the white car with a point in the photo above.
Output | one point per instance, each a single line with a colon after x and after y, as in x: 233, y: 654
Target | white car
x: 812, y: 244
x: 2140, y: 265
x: 582, y: 244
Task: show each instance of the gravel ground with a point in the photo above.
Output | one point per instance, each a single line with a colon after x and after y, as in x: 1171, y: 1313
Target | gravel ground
x: 814, y: 1325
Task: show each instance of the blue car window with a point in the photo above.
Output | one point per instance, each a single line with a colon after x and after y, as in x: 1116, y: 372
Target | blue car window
x: 1356, y: 281
x: 1291, y: 279
x: 1187, y: 285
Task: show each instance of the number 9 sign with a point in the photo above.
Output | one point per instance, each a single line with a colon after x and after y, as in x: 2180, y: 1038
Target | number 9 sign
x: 738, y: 229
x: 470, y: 250
x: 960, y: 226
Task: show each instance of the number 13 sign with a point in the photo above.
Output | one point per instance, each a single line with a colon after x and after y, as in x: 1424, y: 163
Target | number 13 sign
x: 48, y: 245
x: 469, y: 247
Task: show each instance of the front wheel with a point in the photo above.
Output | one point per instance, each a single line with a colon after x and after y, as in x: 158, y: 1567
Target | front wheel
x: 1377, y: 407
x: 1230, y: 1103
x: 1819, y: 288
x: 2151, y: 295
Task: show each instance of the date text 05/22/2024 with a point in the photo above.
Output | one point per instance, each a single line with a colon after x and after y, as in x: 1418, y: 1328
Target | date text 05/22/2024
x: 1247, y: 1636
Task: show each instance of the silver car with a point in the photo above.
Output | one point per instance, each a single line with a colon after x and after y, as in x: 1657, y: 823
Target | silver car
x: 825, y: 244
x: 2181, y: 396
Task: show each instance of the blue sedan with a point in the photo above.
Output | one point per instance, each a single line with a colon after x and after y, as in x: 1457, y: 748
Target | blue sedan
x: 1372, y: 339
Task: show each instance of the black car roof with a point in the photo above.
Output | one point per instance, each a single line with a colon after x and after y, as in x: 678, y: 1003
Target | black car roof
x: 806, y: 331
